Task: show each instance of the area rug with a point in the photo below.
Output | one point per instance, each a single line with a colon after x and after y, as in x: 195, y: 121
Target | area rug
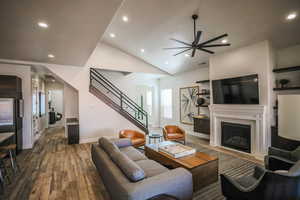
x: 229, y: 165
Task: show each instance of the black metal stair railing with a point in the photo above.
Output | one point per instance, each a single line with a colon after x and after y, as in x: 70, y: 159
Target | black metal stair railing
x: 120, y: 101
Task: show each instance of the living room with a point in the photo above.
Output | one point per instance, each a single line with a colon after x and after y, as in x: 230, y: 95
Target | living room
x: 194, y: 99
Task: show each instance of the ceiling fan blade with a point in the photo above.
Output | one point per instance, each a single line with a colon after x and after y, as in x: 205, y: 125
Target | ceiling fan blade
x: 181, y: 42
x: 216, y: 45
x: 194, y: 51
x: 197, y: 37
x: 182, y: 51
x: 208, y: 51
x: 214, y: 39
x: 176, y: 48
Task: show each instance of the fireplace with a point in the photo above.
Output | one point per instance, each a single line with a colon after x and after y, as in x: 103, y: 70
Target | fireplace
x: 236, y: 136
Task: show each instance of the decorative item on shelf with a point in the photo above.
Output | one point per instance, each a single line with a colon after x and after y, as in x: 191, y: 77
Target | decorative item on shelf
x: 283, y: 82
x: 200, y: 101
x: 188, y: 104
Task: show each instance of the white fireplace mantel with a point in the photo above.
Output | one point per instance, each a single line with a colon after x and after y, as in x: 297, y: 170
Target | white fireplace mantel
x: 254, y: 115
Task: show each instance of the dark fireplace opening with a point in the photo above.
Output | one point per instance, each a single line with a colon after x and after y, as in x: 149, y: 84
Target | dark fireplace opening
x: 236, y: 136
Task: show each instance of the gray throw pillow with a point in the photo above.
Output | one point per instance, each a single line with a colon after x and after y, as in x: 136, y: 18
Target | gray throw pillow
x: 108, y: 146
x: 129, y: 168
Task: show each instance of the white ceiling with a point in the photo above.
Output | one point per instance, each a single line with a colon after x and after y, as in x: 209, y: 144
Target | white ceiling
x: 75, y: 28
x: 153, y: 22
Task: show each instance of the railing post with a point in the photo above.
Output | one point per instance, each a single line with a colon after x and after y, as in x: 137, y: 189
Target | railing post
x: 147, y: 121
x: 121, y: 99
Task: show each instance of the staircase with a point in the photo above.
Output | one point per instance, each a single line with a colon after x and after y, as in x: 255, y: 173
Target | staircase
x: 103, y: 89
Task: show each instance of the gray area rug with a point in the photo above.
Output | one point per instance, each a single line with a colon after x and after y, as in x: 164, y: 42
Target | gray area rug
x: 229, y: 165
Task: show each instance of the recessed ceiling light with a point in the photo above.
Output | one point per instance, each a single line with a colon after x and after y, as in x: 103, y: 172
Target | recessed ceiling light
x: 125, y: 18
x: 166, y: 62
x: 187, y: 55
x: 43, y: 24
x: 142, y: 50
x: 224, y: 41
x: 51, y: 56
x: 291, y: 16
x: 112, y: 35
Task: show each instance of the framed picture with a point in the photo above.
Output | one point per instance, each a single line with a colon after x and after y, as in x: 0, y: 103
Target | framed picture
x: 188, y: 102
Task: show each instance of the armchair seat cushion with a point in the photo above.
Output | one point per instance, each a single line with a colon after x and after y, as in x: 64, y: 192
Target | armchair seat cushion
x: 246, y: 181
x: 133, y: 154
x: 175, y: 136
x: 137, y: 141
x: 151, y: 168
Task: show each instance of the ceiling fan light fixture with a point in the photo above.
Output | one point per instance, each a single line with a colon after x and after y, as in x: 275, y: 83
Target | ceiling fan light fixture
x: 224, y: 41
x: 196, y: 45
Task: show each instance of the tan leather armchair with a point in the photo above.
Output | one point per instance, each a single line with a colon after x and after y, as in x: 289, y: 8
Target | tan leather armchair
x: 174, y: 133
x: 137, y: 138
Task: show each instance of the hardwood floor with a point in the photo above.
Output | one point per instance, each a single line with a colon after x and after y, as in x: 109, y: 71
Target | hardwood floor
x: 56, y: 170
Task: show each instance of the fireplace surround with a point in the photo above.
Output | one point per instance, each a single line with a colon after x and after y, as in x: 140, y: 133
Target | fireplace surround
x: 252, y: 115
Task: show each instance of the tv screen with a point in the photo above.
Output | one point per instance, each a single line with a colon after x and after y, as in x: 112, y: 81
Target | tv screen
x: 239, y: 90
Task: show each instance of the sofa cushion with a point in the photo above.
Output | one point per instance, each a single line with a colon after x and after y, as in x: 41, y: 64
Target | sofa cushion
x: 151, y: 168
x: 108, y: 146
x: 129, y: 168
x: 174, y: 136
x: 133, y: 154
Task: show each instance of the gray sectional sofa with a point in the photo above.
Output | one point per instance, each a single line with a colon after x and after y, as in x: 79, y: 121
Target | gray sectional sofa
x: 129, y: 175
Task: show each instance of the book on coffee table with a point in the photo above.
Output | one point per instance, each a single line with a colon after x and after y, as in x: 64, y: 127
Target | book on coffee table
x: 176, y: 150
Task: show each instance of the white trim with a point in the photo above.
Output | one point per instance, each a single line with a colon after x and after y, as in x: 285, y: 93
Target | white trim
x: 255, y: 115
x: 92, y: 140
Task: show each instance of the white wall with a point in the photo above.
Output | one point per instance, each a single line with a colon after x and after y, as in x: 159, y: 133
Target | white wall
x: 95, y: 117
x: 23, y: 72
x: 179, y: 81
x: 130, y: 85
x: 71, y: 109
x: 258, y: 59
x: 288, y: 57
x: 57, y: 90
x: 254, y: 59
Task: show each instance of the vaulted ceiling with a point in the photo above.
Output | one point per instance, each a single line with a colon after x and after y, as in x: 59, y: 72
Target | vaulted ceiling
x: 152, y: 23
x: 75, y: 28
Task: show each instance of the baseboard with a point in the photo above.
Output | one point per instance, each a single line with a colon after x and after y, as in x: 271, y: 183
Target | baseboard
x: 200, y: 135
x: 92, y: 140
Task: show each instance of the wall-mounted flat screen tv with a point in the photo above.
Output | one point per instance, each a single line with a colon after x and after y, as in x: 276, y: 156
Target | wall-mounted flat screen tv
x: 239, y: 90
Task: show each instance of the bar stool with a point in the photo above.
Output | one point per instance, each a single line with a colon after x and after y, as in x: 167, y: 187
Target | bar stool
x: 11, y: 149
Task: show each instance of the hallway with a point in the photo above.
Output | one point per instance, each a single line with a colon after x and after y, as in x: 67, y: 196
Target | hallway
x: 56, y: 170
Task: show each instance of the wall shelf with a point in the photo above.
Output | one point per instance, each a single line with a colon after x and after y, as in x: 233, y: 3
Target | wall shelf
x: 286, y: 69
x: 287, y: 88
x: 203, y: 94
x: 203, y: 81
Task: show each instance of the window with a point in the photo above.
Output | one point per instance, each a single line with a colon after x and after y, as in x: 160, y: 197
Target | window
x: 149, y: 102
x: 166, y: 103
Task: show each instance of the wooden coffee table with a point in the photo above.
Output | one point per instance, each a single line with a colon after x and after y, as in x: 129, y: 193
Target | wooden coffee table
x: 203, y: 167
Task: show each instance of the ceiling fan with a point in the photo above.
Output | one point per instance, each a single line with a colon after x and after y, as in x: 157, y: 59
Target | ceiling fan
x: 195, y: 45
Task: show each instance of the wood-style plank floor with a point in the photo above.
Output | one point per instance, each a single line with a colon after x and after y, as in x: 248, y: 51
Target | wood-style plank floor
x: 55, y: 170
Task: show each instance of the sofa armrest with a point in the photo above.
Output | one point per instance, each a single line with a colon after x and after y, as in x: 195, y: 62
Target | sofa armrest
x: 177, y: 182
x: 273, y: 151
x: 122, y: 142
